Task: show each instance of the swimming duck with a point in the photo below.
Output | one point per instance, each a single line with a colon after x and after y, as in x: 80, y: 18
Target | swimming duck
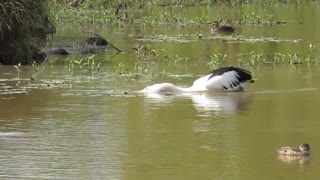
x: 222, y: 79
x: 96, y: 41
x: 302, y: 150
x: 217, y: 28
x: 57, y: 51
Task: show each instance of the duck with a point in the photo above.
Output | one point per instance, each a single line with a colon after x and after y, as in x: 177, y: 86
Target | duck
x: 96, y: 41
x: 217, y: 28
x: 302, y: 150
x: 223, y: 79
x: 57, y: 51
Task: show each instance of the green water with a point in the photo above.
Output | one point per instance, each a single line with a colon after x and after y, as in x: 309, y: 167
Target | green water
x: 80, y: 124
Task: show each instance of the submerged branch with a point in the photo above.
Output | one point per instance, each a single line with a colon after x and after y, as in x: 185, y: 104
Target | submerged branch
x: 109, y: 43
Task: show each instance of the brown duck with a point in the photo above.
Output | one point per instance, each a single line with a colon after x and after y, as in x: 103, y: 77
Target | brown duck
x: 225, y: 29
x: 302, y: 150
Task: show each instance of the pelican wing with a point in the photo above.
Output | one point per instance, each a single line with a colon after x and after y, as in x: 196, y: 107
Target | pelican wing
x: 228, y: 79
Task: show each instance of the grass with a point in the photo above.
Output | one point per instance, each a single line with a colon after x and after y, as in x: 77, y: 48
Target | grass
x: 102, y: 13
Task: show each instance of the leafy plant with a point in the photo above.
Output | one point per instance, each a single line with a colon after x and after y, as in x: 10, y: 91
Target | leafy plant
x: 178, y: 59
x: 217, y: 59
x: 18, y: 68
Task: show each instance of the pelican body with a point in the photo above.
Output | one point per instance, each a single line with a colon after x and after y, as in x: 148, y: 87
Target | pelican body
x: 302, y: 150
x: 222, y: 79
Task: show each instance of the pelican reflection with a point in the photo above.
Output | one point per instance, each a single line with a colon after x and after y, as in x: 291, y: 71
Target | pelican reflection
x: 220, y: 104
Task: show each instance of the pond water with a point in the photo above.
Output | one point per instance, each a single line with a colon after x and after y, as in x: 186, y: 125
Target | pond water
x: 78, y: 124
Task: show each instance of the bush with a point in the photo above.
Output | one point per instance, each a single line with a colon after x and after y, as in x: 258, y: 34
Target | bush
x: 23, y: 29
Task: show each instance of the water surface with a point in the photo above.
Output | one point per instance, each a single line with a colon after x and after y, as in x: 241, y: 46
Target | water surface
x: 81, y: 124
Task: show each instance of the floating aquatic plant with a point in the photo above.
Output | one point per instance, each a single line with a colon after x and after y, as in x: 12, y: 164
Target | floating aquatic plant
x: 18, y: 68
x: 135, y: 71
x: 216, y: 60
x: 294, y: 58
x: 255, y: 58
x: 255, y: 19
x: 178, y: 59
x: 311, y: 54
x: 88, y: 62
x: 146, y: 52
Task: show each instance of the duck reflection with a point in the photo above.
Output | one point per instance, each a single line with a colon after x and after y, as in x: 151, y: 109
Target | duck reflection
x: 220, y: 104
x: 301, y: 160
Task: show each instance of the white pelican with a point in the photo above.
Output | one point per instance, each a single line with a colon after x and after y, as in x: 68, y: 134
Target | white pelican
x: 222, y: 79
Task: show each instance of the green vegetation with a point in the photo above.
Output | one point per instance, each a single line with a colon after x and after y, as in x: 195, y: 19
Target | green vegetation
x: 88, y: 62
x: 145, y: 64
x: 27, y: 23
x: 145, y: 54
x: 217, y: 60
x: 102, y: 4
x: 255, y: 59
x: 106, y: 12
x: 26, y: 31
x: 18, y: 68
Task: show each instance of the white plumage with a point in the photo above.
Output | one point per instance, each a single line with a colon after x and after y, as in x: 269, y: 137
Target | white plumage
x: 222, y: 79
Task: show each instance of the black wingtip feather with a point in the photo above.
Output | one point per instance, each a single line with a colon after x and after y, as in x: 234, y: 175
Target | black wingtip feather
x: 243, y: 75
